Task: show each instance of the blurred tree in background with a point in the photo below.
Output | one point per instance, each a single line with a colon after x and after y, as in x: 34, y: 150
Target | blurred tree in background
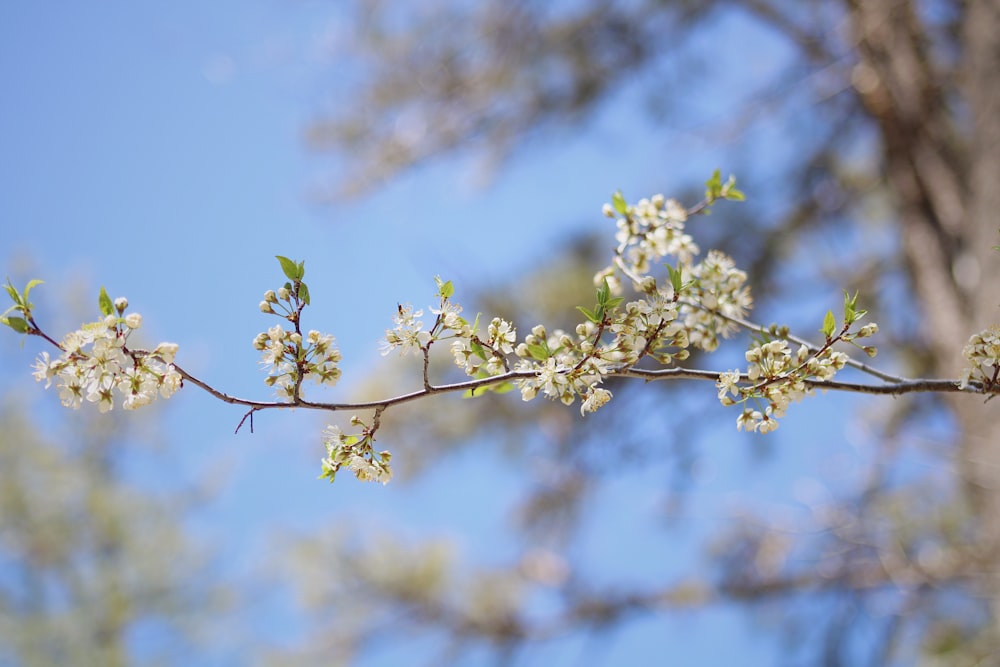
x: 98, y: 568
x: 891, y: 114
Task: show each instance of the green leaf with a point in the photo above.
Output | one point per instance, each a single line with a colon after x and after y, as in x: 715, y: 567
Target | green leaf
x: 303, y: 293
x: 288, y: 267
x: 713, y: 186
x: 851, y: 312
x: 445, y: 288
x: 589, y: 314
x: 502, y: 387
x: 619, y: 203
x: 538, y: 352
x: 729, y: 190
x: 478, y: 350
x: 829, y: 324
x: 14, y: 294
x: 105, y: 304
x: 301, y: 269
x: 18, y: 324
x: 676, y: 278
x: 27, y: 289
x: 603, y: 292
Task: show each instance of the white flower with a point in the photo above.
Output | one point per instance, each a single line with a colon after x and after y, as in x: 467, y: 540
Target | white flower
x: 728, y: 384
x: 166, y: 352
x: 408, y: 334
x: 594, y: 400
x: 45, y: 369
x: 502, y: 336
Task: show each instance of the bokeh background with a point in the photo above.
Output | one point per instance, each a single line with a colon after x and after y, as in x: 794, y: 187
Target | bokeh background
x: 169, y: 152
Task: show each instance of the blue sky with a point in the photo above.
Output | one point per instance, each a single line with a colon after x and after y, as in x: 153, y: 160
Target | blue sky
x: 156, y: 149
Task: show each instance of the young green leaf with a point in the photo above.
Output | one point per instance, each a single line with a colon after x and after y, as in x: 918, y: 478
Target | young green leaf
x: 676, y: 278
x: 288, y: 267
x: 105, y: 304
x: 18, y: 324
x: 445, y: 288
x: 589, y: 314
x: 14, y: 294
x: 829, y: 324
x: 603, y: 293
x: 619, y: 203
x: 851, y: 312
x: 27, y: 289
x: 478, y: 350
x: 303, y: 293
x: 732, y: 194
x: 538, y: 352
x: 713, y: 186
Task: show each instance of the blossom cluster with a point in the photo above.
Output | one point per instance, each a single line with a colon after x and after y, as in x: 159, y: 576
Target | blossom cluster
x: 354, y: 452
x: 650, y: 230
x: 711, y: 293
x: 559, y: 365
x: 95, y: 365
x: 287, y: 355
x: 777, y: 378
x: 776, y: 375
x: 982, y: 354
x: 695, y: 308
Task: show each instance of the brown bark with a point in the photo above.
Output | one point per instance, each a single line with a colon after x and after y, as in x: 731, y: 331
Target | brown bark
x: 946, y: 180
x: 978, y: 420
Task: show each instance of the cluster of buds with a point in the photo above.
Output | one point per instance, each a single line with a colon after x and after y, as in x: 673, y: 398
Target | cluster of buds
x: 95, y: 364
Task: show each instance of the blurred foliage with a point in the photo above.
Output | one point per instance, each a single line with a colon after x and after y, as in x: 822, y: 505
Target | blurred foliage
x: 96, y: 567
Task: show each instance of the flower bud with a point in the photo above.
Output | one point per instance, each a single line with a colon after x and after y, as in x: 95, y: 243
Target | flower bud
x: 868, y: 330
x: 265, y: 307
x: 270, y: 296
x: 284, y: 294
x: 166, y: 352
x: 133, y: 320
x: 121, y: 303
